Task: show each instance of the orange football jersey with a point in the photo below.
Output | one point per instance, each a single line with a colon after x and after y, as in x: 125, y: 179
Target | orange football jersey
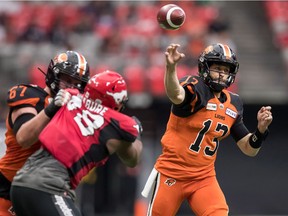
x: 194, y: 130
x: 20, y: 96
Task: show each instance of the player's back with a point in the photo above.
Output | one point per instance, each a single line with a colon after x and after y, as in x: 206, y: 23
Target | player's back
x: 18, y: 97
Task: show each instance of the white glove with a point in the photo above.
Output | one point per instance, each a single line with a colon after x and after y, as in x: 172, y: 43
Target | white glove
x: 62, y: 98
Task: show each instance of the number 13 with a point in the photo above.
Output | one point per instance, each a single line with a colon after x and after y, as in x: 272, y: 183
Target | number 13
x: 196, y: 146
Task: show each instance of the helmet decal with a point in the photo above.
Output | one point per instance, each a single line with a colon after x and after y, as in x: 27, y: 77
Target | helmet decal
x: 81, y: 65
x: 226, y: 50
x: 62, y: 57
x: 118, y: 96
x: 208, y: 49
x: 107, y: 88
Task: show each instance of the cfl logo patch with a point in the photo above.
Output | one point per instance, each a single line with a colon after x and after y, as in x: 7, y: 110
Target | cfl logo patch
x: 254, y: 138
x: 170, y: 182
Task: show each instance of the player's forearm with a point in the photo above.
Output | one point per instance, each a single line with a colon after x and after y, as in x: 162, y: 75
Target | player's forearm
x: 132, y: 156
x: 246, y: 147
x: 28, y: 133
x: 174, y: 90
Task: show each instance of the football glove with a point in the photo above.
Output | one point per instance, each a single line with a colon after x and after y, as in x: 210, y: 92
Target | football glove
x: 139, y: 124
x: 61, y: 98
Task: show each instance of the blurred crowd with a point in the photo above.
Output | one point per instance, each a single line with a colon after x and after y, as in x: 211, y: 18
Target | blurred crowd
x: 278, y: 17
x: 116, y: 35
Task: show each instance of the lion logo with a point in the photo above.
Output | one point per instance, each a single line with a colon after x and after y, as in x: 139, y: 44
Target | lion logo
x: 170, y: 182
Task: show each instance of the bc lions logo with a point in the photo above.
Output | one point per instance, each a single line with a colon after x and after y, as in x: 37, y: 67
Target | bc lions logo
x: 208, y: 49
x: 61, y: 58
x: 11, y: 211
x: 170, y: 182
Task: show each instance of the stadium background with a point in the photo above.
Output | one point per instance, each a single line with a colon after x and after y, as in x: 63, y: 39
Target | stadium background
x: 124, y: 36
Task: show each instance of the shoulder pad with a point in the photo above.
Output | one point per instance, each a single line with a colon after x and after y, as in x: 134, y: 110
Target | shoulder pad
x: 192, y: 80
x: 23, y: 95
x: 236, y: 100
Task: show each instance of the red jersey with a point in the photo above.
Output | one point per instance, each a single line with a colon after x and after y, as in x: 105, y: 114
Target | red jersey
x: 20, y: 96
x: 77, y: 135
x: 194, y: 129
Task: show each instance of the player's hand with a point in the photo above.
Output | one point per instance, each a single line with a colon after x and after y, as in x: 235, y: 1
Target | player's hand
x: 140, y: 129
x: 62, y: 98
x: 264, y: 117
x: 173, y: 56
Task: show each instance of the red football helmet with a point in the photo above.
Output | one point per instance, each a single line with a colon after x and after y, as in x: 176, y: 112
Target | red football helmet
x: 107, y: 88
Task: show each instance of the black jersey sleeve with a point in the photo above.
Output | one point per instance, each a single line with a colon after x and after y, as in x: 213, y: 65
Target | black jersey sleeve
x: 127, y: 129
x: 184, y: 109
x: 196, y: 96
x: 188, y: 83
x: 238, y: 130
x: 121, y: 127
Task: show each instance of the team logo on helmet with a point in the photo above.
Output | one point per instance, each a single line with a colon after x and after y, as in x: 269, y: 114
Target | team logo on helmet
x: 208, y: 49
x: 62, y: 57
x: 118, y: 96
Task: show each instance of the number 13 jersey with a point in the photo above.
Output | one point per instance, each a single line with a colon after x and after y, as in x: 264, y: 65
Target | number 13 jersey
x: 194, y: 129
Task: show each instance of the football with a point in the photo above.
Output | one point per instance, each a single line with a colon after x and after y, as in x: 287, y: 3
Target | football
x: 171, y: 16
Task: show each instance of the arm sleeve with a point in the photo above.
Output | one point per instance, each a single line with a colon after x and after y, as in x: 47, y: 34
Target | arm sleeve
x: 21, y: 120
x: 239, y: 130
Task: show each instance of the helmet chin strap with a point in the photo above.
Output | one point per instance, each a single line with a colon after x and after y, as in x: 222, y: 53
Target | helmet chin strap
x: 214, y: 84
x: 216, y: 87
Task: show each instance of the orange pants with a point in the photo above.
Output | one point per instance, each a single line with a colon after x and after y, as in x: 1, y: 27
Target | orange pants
x: 6, y: 208
x: 204, y: 196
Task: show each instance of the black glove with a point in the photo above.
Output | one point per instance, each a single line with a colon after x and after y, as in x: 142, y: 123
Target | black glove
x: 139, y: 124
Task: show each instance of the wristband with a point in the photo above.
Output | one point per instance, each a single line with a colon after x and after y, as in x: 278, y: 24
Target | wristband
x: 51, y: 109
x: 256, y: 139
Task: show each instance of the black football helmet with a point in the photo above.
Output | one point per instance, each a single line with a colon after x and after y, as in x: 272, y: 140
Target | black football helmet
x: 71, y: 63
x: 219, y: 54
